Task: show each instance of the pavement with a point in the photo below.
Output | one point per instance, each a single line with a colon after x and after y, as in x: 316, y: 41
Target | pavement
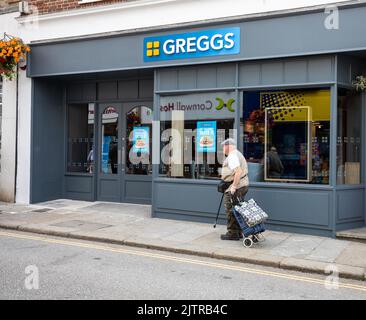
x: 132, y: 225
x: 357, y: 234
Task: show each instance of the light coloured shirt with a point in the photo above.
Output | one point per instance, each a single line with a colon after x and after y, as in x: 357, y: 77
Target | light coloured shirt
x: 234, y: 160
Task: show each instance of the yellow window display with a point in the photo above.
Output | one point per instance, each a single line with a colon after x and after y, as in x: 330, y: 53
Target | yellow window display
x: 286, y: 135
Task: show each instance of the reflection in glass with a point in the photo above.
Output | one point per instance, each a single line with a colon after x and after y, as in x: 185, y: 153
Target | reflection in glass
x: 80, y: 135
x: 192, y: 128
x: 287, y: 144
x: 298, y: 145
x: 139, y: 142
x: 349, y: 137
x: 109, y: 163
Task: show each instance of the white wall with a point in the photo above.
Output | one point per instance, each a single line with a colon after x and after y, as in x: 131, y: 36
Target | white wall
x: 24, y: 139
x: 7, y: 174
x: 147, y: 13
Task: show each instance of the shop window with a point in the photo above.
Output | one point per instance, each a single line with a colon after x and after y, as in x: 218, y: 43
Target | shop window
x: 349, y: 126
x: 192, y: 128
x: 80, y: 154
x: 287, y: 135
x: 139, y: 143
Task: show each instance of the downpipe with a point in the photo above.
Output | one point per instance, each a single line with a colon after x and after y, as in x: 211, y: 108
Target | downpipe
x: 16, y: 134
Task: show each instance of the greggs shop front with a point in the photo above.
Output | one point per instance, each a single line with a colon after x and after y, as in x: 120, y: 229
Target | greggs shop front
x: 144, y: 123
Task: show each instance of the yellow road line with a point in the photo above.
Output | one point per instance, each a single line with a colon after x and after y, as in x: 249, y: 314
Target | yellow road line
x: 179, y: 259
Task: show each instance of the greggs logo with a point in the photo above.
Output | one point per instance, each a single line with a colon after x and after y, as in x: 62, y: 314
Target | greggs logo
x: 192, y: 45
x: 153, y: 48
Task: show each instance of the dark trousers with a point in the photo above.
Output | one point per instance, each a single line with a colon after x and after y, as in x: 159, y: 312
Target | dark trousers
x: 232, y: 225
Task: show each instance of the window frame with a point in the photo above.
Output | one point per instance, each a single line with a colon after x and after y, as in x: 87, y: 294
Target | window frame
x: 173, y: 94
x: 127, y: 139
x: 344, y: 186
x: 332, y: 87
x: 66, y: 135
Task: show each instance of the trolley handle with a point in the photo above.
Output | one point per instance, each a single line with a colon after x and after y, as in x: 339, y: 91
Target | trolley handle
x: 234, y: 201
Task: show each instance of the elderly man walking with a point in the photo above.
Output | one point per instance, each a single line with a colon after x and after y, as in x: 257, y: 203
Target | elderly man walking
x: 234, y: 170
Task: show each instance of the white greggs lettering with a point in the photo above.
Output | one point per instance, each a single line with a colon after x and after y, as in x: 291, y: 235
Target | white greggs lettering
x: 202, y: 44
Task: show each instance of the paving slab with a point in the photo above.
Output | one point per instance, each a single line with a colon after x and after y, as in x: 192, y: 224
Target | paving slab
x: 266, y: 259
x: 81, y: 225
x: 328, y: 250
x: 273, y: 239
x: 351, y: 272
x: 110, y: 218
x: 359, y: 233
x: 112, y: 236
x: 130, y: 209
x: 44, y: 229
x: 8, y: 224
x: 354, y: 254
x: 64, y: 203
x: 304, y: 265
x: 182, y: 236
x: 235, y: 251
x: 26, y: 218
x: 189, y: 234
x: 17, y: 208
x: 155, y: 243
x: 297, y: 246
x: 156, y: 233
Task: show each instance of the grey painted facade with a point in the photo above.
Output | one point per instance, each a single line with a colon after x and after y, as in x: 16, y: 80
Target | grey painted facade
x: 270, y: 37
x: 294, y: 51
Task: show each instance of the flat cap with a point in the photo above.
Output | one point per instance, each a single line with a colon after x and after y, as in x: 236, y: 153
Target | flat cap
x: 228, y: 142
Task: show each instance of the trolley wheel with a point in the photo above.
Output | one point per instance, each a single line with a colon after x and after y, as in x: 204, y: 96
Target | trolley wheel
x: 260, y: 237
x: 255, y: 239
x: 247, y: 242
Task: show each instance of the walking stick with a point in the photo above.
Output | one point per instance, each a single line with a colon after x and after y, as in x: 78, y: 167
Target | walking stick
x: 218, y: 211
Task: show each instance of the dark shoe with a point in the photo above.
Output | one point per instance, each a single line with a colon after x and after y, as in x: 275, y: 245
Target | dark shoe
x: 240, y: 234
x: 228, y: 236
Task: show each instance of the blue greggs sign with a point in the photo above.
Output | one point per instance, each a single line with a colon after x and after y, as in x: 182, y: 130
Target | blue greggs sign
x: 198, y: 44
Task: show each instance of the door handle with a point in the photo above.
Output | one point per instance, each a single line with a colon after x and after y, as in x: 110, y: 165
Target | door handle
x: 123, y: 155
x: 119, y: 157
x: 123, y: 159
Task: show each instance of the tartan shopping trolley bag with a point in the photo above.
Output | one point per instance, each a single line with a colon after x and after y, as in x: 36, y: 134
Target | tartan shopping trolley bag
x: 250, y: 218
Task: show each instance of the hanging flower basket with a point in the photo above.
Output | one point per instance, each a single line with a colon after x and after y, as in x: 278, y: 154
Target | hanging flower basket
x: 12, y: 52
x: 360, y: 83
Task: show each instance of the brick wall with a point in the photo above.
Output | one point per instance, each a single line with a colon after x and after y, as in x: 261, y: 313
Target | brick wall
x: 8, y: 6
x: 50, y: 6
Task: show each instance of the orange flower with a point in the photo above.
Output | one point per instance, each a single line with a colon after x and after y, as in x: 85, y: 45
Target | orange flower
x: 11, y: 52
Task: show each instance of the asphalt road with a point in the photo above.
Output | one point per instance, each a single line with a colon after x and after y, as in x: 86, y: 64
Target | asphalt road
x: 42, y: 267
